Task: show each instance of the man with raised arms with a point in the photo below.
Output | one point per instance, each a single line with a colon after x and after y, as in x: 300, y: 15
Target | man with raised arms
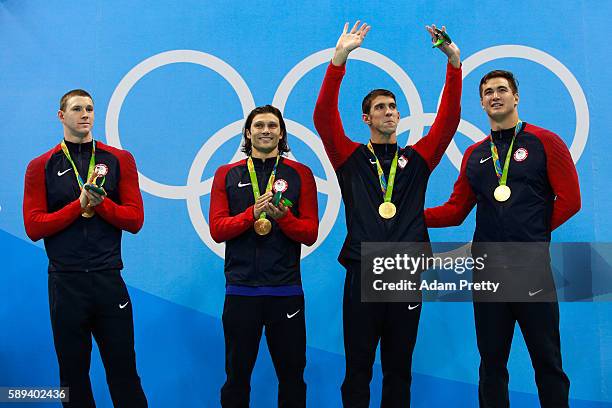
x: 383, y: 188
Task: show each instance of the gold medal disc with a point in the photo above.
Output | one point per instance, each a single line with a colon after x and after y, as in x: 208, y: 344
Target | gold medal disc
x: 263, y: 226
x: 502, y: 193
x: 387, y: 210
x: 88, y: 213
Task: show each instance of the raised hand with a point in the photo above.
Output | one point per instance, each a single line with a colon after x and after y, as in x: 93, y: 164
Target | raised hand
x: 451, y: 50
x: 348, y: 41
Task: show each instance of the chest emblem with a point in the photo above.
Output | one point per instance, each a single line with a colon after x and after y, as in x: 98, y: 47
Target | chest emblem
x: 402, y: 162
x: 280, y: 185
x: 520, y: 154
x: 101, y: 169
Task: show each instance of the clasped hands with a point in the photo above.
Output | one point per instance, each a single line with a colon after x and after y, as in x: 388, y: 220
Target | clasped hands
x: 264, y: 204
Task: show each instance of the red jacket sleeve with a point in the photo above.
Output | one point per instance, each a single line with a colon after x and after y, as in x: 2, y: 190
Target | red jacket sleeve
x: 224, y: 227
x: 305, y: 228
x: 432, y: 147
x: 129, y: 215
x: 37, y: 221
x: 562, y: 177
x: 460, y: 203
x: 327, y: 118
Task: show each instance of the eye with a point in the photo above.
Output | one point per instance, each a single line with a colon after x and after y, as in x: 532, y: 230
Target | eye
x: 76, y: 109
x: 392, y: 106
x: 258, y: 125
x: 90, y: 109
x: 272, y: 125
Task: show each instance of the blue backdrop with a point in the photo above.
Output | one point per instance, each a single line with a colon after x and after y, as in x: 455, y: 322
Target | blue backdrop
x: 171, y: 83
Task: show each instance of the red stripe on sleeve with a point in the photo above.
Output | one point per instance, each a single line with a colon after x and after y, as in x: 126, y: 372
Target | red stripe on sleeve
x: 305, y: 228
x: 432, y: 147
x: 562, y: 175
x: 460, y: 203
x: 224, y: 227
x: 327, y: 118
x: 129, y: 215
x: 37, y: 221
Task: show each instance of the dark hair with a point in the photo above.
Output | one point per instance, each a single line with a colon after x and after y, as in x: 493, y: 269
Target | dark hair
x: 366, y: 104
x: 499, y: 73
x: 282, y: 143
x: 70, y: 94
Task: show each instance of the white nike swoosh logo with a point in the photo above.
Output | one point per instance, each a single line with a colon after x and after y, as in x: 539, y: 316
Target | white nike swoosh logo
x: 484, y: 160
x: 372, y: 161
x: 61, y: 173
x: 289, y: 316
x: 535, y: 293
x: 410, y: 307
x: 124, y: 305
x: 240, y: 184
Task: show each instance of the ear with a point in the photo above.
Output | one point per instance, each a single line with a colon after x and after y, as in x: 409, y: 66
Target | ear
x: 60, y: 115
x: 366, y: 119
x: 516, y: 99
x: 248, y: 134
x: 481, y: 104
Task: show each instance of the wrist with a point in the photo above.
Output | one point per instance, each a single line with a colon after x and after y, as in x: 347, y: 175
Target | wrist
x: 340, y: 57
x: 455, y: 61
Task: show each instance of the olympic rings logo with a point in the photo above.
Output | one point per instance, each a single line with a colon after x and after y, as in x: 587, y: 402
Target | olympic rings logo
x: 415, y: 123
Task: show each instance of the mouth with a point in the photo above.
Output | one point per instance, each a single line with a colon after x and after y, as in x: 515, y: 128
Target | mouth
x: 497, y: 105
x: 265, y: 138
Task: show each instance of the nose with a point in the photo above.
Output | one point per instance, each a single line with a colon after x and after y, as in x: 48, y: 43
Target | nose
x: 389, y: 112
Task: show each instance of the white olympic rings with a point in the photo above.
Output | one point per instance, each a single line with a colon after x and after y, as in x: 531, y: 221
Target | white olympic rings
x: 415, y: 123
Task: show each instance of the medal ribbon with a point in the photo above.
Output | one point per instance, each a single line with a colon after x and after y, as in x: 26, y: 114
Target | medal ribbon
x: 92, y: 162
x: 255, y: 183
x: 502, y: 175
x: 385, y: 186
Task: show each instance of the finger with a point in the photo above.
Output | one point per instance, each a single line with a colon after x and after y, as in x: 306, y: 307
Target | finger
x: 345, y: 28
x: 365, y: 32
x: 444, y: 28
x: 362, y: 28
x: 431, y: 32
x: 354, y: 29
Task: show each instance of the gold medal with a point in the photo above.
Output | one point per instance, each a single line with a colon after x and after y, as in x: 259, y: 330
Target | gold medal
x: 502, y: 193
x: 263, y: 226
x: 387, y: 210
x: 88, y: 212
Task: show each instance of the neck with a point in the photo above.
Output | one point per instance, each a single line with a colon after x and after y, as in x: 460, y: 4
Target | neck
x: 506, y: 123
x: 381, y: 138
x: 263, y: 155
x: 78, y: 139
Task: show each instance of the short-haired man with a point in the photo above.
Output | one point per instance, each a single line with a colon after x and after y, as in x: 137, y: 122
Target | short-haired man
x: 264, y: 208
x: 82, y: 230
x: 524, y: 184
x: 383, y: 188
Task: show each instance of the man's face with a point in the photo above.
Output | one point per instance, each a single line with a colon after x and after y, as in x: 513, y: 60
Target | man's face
x: 384, y: 116
x: 497, y: 99
x: 78, y: 117
x: 265, y: 132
